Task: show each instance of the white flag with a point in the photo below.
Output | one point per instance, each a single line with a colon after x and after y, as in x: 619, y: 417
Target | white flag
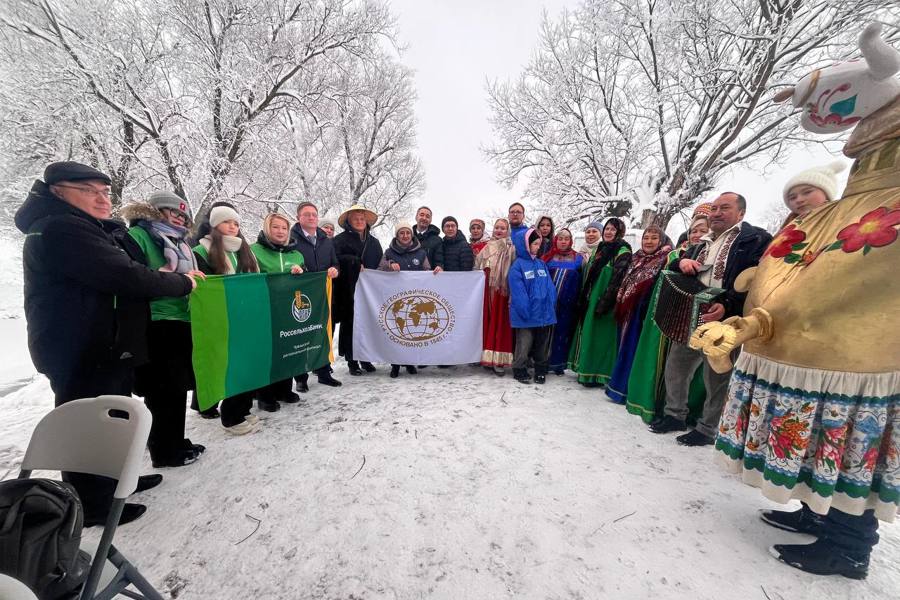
x: 418, y: 318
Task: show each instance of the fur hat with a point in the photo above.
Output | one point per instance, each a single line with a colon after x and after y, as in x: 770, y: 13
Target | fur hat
x: 402, y: 225
x: 220, y: 214
x: 823, y: 177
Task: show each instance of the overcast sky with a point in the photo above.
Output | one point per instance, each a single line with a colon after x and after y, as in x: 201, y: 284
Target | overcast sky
x: 455, y: 46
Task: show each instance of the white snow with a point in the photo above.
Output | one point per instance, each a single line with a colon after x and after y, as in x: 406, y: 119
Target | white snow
x: 453, y: 484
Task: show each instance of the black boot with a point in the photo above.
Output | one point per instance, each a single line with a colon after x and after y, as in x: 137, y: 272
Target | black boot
x: 268, y: 405
x: 796, y: 521
x: 147, y: 482
x: 411, y: 370
x: 302, y: 383
x: 694, y: 438
x: 187, y: 444
x: 328, y: 380
x: 540, y: 378
x: 182, y: 458
x: 521, y: 375
x: 353, y: 367
x: 290, y: 398
x: 667, y: 424
x: 367, y: 366
x: 821, y: 558
x: 130, y: 512
x: 395, y: 371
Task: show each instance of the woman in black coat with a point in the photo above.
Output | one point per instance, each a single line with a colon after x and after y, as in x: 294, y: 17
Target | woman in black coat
x: 356, y: 249
x: 458, y: 255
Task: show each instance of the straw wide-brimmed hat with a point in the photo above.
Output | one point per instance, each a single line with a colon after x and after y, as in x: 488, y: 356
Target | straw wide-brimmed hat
x: 371, y: 217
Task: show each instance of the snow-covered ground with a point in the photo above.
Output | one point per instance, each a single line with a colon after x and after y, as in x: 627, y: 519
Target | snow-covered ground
x: 453, y: 484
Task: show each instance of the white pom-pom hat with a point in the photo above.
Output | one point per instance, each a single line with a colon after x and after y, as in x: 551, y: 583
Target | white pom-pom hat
x: 823, y: 177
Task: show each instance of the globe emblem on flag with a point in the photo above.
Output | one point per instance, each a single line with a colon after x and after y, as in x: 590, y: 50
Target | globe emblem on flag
x: 416, y: 318
x: 301, y: 307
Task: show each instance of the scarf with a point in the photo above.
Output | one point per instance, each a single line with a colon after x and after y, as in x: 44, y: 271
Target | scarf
x: 231, y: 244
x: 555, y: 251
x: 171, y: 240
x: 587, y: 250
x: 639, y: 279
x: 497, y: 256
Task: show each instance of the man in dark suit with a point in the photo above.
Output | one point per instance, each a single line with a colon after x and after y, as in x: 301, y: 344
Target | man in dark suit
x: 318, y: 255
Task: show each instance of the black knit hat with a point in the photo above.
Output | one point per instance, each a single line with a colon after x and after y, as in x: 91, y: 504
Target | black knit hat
x: 72, y: 171
x: 445, y: 220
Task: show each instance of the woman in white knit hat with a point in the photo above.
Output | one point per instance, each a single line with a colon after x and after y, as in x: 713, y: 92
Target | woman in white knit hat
x: 810, y: 189
x: 224, y: 251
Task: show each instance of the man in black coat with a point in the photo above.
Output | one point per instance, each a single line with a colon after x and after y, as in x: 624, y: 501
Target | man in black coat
x: 430, y: 238
x: 318, y: 255
x: 86, y: 303
x: 356, y: 249
x: 731, y: 247
x: 458, y: 255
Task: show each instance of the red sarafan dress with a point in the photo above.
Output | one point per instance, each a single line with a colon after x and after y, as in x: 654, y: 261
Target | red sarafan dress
x: 495, y: 259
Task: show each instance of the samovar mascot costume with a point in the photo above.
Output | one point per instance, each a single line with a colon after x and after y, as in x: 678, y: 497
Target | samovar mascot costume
x: 813, y: 409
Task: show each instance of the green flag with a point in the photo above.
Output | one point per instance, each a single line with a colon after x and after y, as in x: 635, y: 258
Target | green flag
x: 255, y: 329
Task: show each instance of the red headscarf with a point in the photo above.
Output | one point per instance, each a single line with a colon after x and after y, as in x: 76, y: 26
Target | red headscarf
x: 554, y: 248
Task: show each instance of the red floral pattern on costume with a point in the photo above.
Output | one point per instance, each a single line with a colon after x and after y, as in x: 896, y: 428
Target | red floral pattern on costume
x: 783, y: 243
x: 788, y: 435
x: 830, y: 450
x: 875, y: 229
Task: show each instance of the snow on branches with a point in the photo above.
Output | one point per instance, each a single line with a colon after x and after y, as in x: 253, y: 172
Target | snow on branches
x: 640, y: 108
x: 215, y: 99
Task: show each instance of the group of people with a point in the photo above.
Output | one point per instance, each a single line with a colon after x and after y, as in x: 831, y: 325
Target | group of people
x: 811, y: 411
x: 547, y: 306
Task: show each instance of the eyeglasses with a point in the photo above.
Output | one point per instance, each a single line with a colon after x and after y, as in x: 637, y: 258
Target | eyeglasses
x: 517, y: 212
x: 175, y: 212
x: 104, y: 193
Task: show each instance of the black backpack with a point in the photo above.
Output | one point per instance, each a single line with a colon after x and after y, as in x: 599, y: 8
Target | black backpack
x: 40, y: 534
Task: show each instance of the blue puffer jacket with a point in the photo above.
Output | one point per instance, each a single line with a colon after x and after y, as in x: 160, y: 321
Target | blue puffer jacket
x: 532, y: 295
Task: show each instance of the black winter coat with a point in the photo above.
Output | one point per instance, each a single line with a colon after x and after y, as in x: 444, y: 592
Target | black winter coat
x: 412, y: 258
x: 431, y: 241
x: 745, y: 253
x: 458, y: 255
x: 320, y: 257
x: 86, y: 300
x: 352, y: 252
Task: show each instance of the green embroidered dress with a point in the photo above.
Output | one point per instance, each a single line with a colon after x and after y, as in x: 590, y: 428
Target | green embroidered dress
x: 594, y: 349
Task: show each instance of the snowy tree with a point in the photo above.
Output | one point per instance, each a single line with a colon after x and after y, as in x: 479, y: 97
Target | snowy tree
x: 644, y: 106
x: 201, y: 97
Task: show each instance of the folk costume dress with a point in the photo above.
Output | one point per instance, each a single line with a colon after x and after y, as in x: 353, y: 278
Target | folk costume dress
x: 813, y: 409
x: 565, y: 271
x: 632, y: 303
x: 495, y: 259
x: 646, y: 382
x: 594, y: 347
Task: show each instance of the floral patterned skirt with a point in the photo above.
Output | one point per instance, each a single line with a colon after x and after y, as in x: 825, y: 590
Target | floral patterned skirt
x: 827, y: 438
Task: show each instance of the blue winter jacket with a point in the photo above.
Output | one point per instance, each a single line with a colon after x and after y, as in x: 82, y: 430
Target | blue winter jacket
x: 532, y: 295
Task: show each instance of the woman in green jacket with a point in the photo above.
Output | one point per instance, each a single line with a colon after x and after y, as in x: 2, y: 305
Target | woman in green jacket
x: 276, y: 253
x: 224, y: 251
x: 156, y: 238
